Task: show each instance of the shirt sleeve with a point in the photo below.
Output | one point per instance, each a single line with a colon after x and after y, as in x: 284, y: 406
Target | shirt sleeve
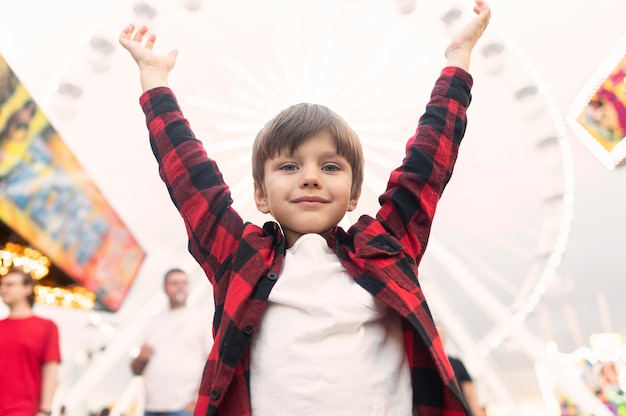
x: 414, y: 189
x: 194, y: 182
x: 460, y: 372
x: 52, y: 351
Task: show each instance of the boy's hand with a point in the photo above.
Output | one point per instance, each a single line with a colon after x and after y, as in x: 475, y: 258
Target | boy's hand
x: 459, y: 50
x: 153, y: 69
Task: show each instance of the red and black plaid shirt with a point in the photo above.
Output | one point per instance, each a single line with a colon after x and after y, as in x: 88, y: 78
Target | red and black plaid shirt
x: 243, y: 261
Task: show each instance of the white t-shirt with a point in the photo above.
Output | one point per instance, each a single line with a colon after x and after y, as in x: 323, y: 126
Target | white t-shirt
x: 325, y: 345
x: 181, y: 339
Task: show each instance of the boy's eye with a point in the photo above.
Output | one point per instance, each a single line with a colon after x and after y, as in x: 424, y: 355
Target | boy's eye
x: 288, y: 166
x: 330, y: 168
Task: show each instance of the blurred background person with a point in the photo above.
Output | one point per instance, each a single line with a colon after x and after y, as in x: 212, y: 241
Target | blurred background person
x: 174, y: 351
x: 463, y: 377
x: 29, y: 351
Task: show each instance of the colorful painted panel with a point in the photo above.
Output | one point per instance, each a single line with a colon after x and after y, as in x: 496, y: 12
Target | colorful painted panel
x: 598, y: 116
x: 48, y: 199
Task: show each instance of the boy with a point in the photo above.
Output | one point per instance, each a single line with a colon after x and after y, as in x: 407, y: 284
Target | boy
x: 311, y: 319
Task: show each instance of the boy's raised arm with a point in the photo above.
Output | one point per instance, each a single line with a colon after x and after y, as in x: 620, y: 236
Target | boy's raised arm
x: 459, y: 50
x: 193, y: 180
x: 414, y: 189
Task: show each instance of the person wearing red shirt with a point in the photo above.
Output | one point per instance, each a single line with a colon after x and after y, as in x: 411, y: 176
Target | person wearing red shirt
x: 29, y: 351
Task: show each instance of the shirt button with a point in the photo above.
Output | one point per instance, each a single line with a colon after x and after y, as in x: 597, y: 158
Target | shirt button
x: 272, y: 276
x: 215, y: 394
x: 248, y: 329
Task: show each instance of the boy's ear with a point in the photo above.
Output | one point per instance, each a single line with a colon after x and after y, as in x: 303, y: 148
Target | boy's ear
x: 353, y: 201
x: 261, y: 199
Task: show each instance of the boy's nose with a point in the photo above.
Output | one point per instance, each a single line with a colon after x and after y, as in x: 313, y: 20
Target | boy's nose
x: 310, y: 177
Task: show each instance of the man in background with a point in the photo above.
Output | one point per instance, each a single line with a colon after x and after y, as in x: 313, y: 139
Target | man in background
x: 176, y: 346
x: 29, y: 351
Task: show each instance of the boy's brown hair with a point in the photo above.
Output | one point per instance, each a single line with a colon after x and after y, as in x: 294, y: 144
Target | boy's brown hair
x: 292, y: 126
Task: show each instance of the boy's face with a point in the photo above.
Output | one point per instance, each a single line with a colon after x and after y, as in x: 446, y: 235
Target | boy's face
x: 307, y: 191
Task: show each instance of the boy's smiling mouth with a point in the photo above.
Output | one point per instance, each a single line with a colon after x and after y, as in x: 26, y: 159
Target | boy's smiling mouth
x: 306, y: 200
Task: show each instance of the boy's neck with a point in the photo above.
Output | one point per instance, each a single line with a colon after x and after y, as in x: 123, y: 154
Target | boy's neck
x: 291, y: 237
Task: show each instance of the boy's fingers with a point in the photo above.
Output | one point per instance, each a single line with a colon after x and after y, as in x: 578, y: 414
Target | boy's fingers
x: 150, y: 41
x: 140, y: 33
x: 125, y: 34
